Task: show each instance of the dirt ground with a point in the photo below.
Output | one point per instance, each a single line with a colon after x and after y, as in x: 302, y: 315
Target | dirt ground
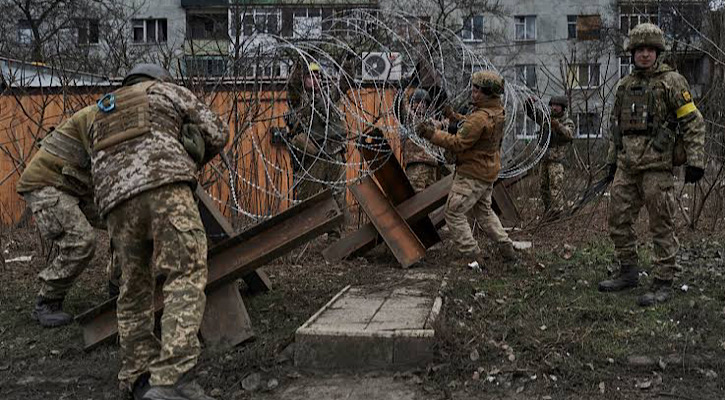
x: 538, y: 330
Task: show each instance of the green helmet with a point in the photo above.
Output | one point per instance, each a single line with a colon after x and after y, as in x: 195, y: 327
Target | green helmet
x: 152, y: 71
x: 646, y: 35
x: 488, y: 79
x: 560, y: 100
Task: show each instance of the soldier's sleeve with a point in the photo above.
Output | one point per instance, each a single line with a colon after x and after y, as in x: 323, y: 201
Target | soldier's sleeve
x: 612, y: 151
x: 566, y: 129
x: 690, y: 120
x: 214, y: 131
x: 466, y: 137
x: 535, y: 115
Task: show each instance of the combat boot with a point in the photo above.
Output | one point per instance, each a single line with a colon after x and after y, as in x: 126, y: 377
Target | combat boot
x: 660, y: 292
x: 508, y: 252
x: 49, y: 313
x: 628, y: 277
x: 163, y: 393
x: 192, y: 391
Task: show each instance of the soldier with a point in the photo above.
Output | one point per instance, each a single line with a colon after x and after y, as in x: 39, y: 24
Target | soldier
x: 420, y: 167
x: 651, y: 104
x: 56, y: 184
x: 552, y: 167
x: 477, y: 147
x: 147, y: 143
x: 319, y: 137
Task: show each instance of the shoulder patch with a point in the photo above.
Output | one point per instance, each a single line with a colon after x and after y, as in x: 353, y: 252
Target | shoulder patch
x: 686, y: 95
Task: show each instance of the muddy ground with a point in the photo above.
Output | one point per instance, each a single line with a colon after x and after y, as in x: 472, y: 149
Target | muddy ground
x: 538, y: 330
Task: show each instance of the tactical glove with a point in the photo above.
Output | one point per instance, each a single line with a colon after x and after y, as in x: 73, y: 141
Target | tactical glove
x: 693, y: 174
x: 425, y: 130
x: 193, y: 142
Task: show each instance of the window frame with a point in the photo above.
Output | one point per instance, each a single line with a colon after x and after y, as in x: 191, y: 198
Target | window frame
x: 24, y: 31
x: 522, y: 70
x: 575, y: 75
x: 253, y: 14
x: 569, y: 24
x: 86, y: 25
x: 641, y: 16
x: 469, y: 27
x: 144, y: 23
x: 596, y: 119
x: 522, y: 20
x: 318, y: 27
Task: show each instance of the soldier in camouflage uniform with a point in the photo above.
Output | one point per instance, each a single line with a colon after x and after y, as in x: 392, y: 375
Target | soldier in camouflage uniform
x: 144, y: 166
x: 477, y: 147
x: 653, y: 109
x: 420, y: 167
x: 56, y: 184
x: 552, y: 166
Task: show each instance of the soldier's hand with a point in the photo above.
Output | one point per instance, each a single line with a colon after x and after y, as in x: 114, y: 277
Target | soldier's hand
x: 555, y: 124
x: 425, y: 130
x: 693, y: 174
x: 612, y: 172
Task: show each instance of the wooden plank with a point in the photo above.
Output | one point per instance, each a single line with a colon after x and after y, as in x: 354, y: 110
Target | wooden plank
x: 503, y: 205
x: 413, y: 209
x: 235, y: 257
x: 396, y: 233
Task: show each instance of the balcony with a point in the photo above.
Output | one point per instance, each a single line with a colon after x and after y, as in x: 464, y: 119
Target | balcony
x: 204, y: 3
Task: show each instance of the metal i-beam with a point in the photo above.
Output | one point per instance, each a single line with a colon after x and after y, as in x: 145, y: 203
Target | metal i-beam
x: 412, y: 210
x: 399, y: 237
x: 234, y: 258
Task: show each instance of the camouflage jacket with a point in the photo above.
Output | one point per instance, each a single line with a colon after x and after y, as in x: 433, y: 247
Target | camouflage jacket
x: 477, y: 144
x: 69, y: 172
x: 157, y: 157
x: 562, y: 133
x: 671, y: 112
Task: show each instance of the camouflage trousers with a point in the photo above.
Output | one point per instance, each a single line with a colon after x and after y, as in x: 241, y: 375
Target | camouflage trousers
x: 466, y: 195
x: 317, y: 174
x: 552, y: 182
x: 421, y: 175
x: 61, y: 218
x: 655, y: 190
x: 159, y: 232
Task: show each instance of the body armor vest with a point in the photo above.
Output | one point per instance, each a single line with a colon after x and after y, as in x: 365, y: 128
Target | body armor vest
x: 129, y: 119
x: 640, y: 112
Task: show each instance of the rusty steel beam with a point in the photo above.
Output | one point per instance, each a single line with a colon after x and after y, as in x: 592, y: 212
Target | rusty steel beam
x: 503, y: 204
x: 234, y: 257
x: 396, y: 233
x: 391, y: 177
x: 412, y: 210
x: 218, y: 228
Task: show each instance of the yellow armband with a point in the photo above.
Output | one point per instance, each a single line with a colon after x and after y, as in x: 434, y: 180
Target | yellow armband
x: 686, y: 110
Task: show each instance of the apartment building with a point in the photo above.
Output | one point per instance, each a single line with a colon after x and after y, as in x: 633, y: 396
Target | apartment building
x: 565, y: 47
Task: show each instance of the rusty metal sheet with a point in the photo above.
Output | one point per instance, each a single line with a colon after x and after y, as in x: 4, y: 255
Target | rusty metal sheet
x: 235, y: 257
x: 503, y: 205
x: 391, y: 177
x: 226, y: 322
x: 218, y: 228
x: 412, y: 210
x: 396, y: 233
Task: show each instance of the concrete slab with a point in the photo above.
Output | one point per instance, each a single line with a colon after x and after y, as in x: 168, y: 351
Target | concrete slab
x: 363, y: 328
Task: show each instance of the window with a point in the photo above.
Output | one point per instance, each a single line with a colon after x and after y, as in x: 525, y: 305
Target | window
x: 261, y: 21
x: 205, y: 66
x: 584, y: 76
x: 307, y: 23
x: 25, y: 32
x: 626, y: 66
x: 347, y: 22
x: 584, y: 27
x: 207, y: 26
x: 266, y: 68
x: 87, y: 31
x: 472, y: 29
x: 571, y: 26
x: 526, y: 74
x: 633, y: 14
x: 588, y: 124
x: 525, y: 127
x: 149, y: 30
x: 525, y: 27
x: 411, y: 28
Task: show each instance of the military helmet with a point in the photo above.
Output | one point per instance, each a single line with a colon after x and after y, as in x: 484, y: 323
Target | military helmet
x: 420, y: 95
x: 646, y: 35
x: 151, y: 70
x: 488, y: 79
x: 560, y: 100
